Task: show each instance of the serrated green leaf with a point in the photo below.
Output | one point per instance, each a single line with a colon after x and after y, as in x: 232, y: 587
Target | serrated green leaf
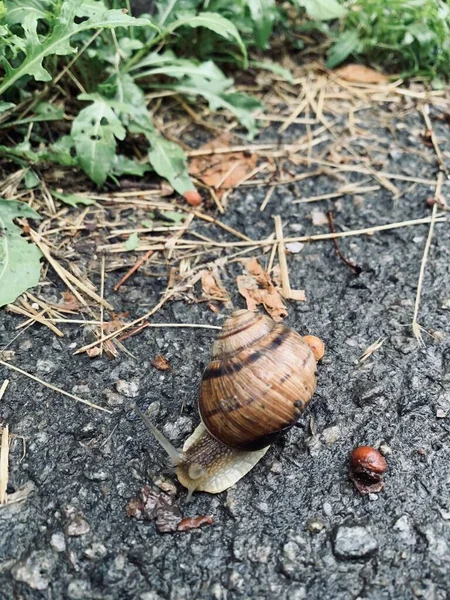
x: 322, y: 10
x: 268, y: 65
x: 263, y: 15
x: 19, y: 260
x: 184, y: 68
x: 57, y: 41
x: 94, y: 132
x: 72, y: 199
x: 45, y: 111
x: 215, y: 22
x: 241, y: 105
x: 346, y: 43
x: 132, y: 242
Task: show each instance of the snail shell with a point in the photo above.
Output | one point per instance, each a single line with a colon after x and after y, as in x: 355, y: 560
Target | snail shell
x: 259, y: 380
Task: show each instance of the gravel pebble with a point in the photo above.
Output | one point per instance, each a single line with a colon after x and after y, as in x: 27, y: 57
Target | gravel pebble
x: 354, y: 542
x: 58, y: 542
x: 36, y: 570
x: 130, y: 389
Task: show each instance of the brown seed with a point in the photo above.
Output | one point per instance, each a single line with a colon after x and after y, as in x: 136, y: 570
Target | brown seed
x: 316, y: 345
x: 366, y: 458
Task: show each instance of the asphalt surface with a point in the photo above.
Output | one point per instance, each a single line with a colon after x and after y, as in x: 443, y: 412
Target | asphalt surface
x: 294, y: 527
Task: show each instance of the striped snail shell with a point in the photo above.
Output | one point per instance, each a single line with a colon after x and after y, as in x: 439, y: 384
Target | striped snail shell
x: 259, y: 380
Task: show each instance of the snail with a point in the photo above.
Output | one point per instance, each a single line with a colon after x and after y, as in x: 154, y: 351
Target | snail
x: 261, y: 376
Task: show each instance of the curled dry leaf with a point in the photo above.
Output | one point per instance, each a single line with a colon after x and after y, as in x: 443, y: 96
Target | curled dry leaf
x: 161, y: 363
x: 69, y: 302
x: 361, y: 74
x: 257, y: 288
x: 155, y: 506
x: 222, y: 171
x: 194, y: 522
x: 213, y: 288
x: 164, y: 511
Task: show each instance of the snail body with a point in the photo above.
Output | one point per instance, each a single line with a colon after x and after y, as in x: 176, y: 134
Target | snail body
x: 259, y: 380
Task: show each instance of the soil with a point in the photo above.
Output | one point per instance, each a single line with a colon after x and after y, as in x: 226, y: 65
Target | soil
x: 295, y: 527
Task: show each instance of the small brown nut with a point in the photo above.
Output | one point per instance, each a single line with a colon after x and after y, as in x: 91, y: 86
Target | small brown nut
x: 316, y: 345
x: 366, y: 468
x: 367, y: 458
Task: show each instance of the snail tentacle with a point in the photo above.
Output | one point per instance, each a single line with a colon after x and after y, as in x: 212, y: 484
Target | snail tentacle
x: 174, y: 454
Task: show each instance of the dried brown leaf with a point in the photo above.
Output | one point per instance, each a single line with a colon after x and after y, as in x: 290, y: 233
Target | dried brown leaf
x: 361, y: 74
x: 69, y: 302
x: 222, y: 171
x: 161, y: 363
x: 257, y: 288
x: 213, y: 288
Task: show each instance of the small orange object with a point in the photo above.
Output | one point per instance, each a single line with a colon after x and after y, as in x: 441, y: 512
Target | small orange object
x: 316, y: 345
x: 367, y: 458
x: 193, y: 198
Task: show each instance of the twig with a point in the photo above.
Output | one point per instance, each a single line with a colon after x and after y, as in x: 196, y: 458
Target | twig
x: 343, y: 191
x: 437, y: 150
x: 4, y: 456
x: 53, y: 387
x: 66, y: 276
x: 284, y: 273
x: 148, y: 314
x: 355, y: 268
x: 267, y: 198
x: 223, y: 226
x: 35, y: 316
x: 102, y: 293
x: 415, y: 325
x: 133, y: 269
x: 3, y: 388
x: 371, y: 349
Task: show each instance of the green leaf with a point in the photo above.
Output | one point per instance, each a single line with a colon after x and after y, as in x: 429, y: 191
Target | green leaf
x: 45, y: 111
x: 31, y: 179
x: 322, y: 10
x: 167, y: 158
x: 346, y: 43
x: 132, y: 242
x: 169, y: 161
x: 263, y: 16
x: 56, y: 42
x: 125, y: 166
x: 72, y: 199
x: 62, y: 152
x: 19, y: 260
x: 4, y: 106
x: 214, y: 22
x: 268, y: 65
x: 174, y: 216
x: 241, y: 105
x: 184, y: 68
x: 94, y: 132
